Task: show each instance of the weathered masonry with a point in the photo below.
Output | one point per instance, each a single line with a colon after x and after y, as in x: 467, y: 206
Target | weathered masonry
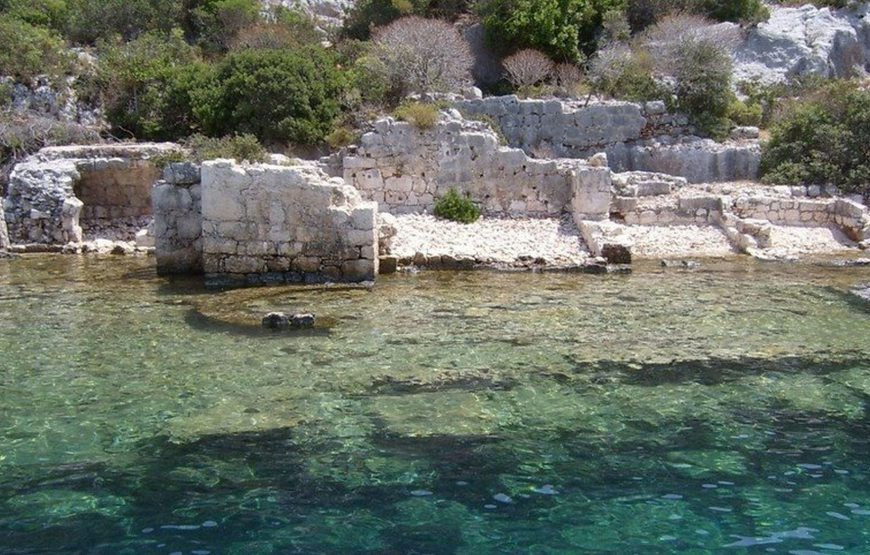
x: 263, y: 224
x: 66, y: 194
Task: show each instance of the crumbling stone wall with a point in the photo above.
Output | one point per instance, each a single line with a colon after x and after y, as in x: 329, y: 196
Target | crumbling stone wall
x: 177, y: 204
x: 42, y: 206
x: 285, y: 224
x: 851, y: 217
x: 406, y: 169
x: 635, y: 137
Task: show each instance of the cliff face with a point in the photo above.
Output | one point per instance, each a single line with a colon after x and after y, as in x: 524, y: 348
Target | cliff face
x: 331, y: 12
x: 805, y: 40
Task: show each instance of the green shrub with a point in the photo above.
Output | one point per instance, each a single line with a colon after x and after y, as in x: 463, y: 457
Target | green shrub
x: 562, y: 29
x: 285, y: 28
x: 278, y: 96
x: 91, y: 20
x: 453, y: 206
x: 216, y: 23
x: 745, y: 112
x: 703, y: 85
x: 40, y: 13
x: 420, y: 114
x: 368, y: 14
x: 822, y: 139
x: 618, y: 71
x: 243, y: 148
x: 341, y: 137
x: 27, y: 51
x: 146, y: 85
x: 747, y: 11
x: 644, y: 13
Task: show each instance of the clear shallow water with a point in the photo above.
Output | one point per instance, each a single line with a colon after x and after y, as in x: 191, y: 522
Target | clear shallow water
x: 715, y: 411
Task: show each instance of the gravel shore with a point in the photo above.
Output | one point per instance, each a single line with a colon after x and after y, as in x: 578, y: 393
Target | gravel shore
x: 499, y: 240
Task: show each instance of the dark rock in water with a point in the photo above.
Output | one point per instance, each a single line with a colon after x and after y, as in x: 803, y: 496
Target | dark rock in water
x: 616, y: 254
x: 279, y: 320
x: 388, y: 265
x: 680, y: 264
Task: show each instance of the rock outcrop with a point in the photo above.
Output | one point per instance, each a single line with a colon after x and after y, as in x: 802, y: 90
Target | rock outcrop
x: 805, y: 40
x: 46, y: 97
x: 635, y: 137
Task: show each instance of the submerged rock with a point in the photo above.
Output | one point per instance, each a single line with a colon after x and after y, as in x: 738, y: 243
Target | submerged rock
x: 680, y: 264
x: 279, y: 320
x: 862, y: 292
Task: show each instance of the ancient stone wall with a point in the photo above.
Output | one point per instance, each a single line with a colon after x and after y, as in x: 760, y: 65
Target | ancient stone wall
x: 406, y: 169
x: 177, y: 205
x: 42, y: 205
x: 285, y: 224
x: 696, y: 160
x: 635, y: 137
x: 850, y: 216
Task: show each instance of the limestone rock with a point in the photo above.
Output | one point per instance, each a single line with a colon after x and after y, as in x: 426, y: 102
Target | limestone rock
x: 862, y: 292
x: 805, y: 40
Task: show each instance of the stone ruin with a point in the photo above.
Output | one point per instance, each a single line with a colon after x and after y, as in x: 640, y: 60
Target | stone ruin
x: 635, y: 136
x: 255, y: 224
x: 67, y: 195
x: 319, y: 221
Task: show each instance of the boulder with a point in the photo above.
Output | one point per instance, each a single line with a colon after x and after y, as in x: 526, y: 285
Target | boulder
x: 280, y: 320
x: 615, y: 253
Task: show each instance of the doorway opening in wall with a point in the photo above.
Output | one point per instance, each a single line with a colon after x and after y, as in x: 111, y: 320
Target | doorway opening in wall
x: 117, y: 198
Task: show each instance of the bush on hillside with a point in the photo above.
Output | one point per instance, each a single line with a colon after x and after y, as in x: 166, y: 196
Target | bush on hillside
x: 418, y: 114
x: 366, y: 15
x: 453, y: 206
x: 27, y: 51
x: 703, y: 85
x: 25, y: 133
x: 644, y: 13
x: 41, y: 13
x: 144, y: 85
x: 216, y: 23
x: 242, y: 148
x: 695, y: 55
x: 277, y: 95
x: 618, y: 71
x: 91, y: 20
x: 417, y: 55
x: 527, y: 67
x: 284, y: 28
x: 822, y: 139
x: 562, y: 29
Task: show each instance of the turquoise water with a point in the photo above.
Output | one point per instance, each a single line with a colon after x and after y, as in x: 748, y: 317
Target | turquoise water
x: 723, y: 410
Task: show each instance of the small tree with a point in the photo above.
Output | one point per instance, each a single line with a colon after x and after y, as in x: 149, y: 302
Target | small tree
x: 527, y: 67
x: 414, y: 54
